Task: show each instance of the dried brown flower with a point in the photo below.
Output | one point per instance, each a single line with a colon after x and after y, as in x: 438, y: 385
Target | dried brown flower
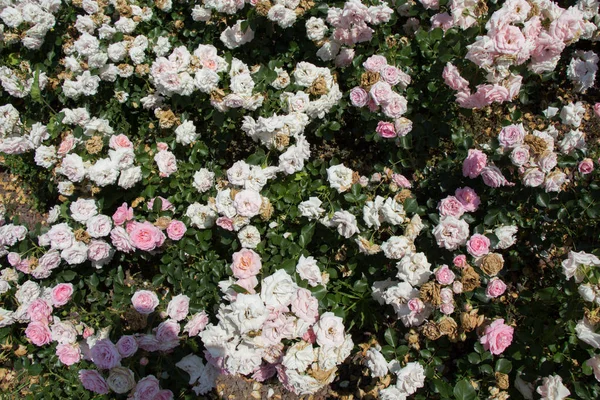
x: 368, y: 79
x: 492, y: 263
x: 263, y: 7
x: 431, y: 331
x: 502, y: 380
x: 537, y: 145
x: 430, y: 293
x: 94, y: 145
x: 82, y: 235
x: 162, y: 222
x: 266, y: 209
x: 318, y: 87
x: 448, y: 327
x: 470, y: 279
x: 470, y: 320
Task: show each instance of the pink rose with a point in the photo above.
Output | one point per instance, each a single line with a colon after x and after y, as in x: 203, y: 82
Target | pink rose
x: 196, y: 324
x: 309, y: 336
x: 120, y: 142
x: 176, y: 230
x: 453, y: 79
x: 533, y: 177
x: 457, y: 287
x: 127, y: 346
x: 474, y: 163
x: 61, y: 294
x: 495, y: 288
x: 122, y: 214
x: 225, y: 223
x: 460, y: 261
x: 478, y: 245
x: 520, y: 155
x: 66, y: 145
x: 468, y: 198
x: 447, y: 308
x: 144, y: 361
x: 165, y: 205
x: 87, y: 332
x: 401, y: 181
x: 403, y: 126
x: 68, y: 354
x: 451, y: 206
x: 93, y: 381
x: 381, y: 93
x: 446, y: 295
x: 167, y: 335
x: 147, y: 388
x: 430, y: 4
x: 144, y: 301
x: 395, y: 106
x: 178, y: 307
x: 391, y: 75
x: 416, y: 305
x: 586, y: 166
x: 511, y: 136
x: 246, y: 263
x: 493, y: 93
x: 497, y: 337
x: 359, y: 97
x: 597, y: 109
x: 375, y: 63
x: 444, y: 275
x: 105, y: 354
x: 162, y: 146
x: 166, y: 162
x: 39, y: 333
x: 248, y: 283
x: 39, y: 310
x: 443, y: 21
x: 305, y: 305
x: 13, y: 259
x: 386, y: 129
x: 508, y: 40
x: 568, y: 26
x: 145, y: 236
x: 344, y: 58
x: 164, y: 394
x: 247, y: 203
x: 493, y: 177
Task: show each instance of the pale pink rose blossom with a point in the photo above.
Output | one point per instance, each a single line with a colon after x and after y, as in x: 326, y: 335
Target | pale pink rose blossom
x: 474, y: 163
x: 196, y: 324
x: 443, y: 21
x: 105, y: 354
x: 586, y: 166
x: 246, y: 263
x: 147, y: 388
x: 375, y: 63
x: 495, y: 288
x: 39, y: 310
x: 179, y: 307
x: 121, y: 240
x: 381, y: 93
x: 468, y: 198
x: 386, y: 129
x: 597, y: 109
x: 247, y: 203
x: 447, y: 308
x: 225, y: 223
x: 67, y: 144
x: 162, y: 146
x: 444, y: 275
x: 93, y: 381
x: 451, y: 206
x: 511, y: 136
x: 359, y: 97
x: 401, y: 181
x: 122, y: 214
x: 497, y: 337
x: 127, y: 346
x: 68, y: 354
x: 460, y: 261
x: 120, y: 142
x: 145, y: 236
x: 176, y: 230
x: 493, y: 177
x: 478, y: 245
x: 457, y: 287
x: 305, y: 305
x: 61, y: 294
x: 166, y: 162
x: 144, y: 301
x: 38, y: 333
x: 453, y: 79
x: 248, y: 283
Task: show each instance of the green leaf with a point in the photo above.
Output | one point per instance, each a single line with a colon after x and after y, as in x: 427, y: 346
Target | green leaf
x: 543, y: 199
x: 464, y: 391
x: 390, y: 337
x: 306, y: 234
x: 68, y: 275
x: 410, y: 205
x: 503, y: 365
x: 443, y: 388
x: 474, y: 358
x: 35, y: 93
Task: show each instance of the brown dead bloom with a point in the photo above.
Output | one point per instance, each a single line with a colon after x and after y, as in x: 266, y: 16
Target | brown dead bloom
x: 431, y: 331
x: 162, y: 222
x: 537, y: 145
x: 263, y: 7
x: 470, y: 279
x: 403, y: 195
x: 318, y: 87
x: 448, y: 327
x: 166, y: 119
x: 82, y: 235
x: 413, y: 339
x: 492, y: 263
x: 137, y: 202
x: 368, y: 79
x: 266, y: 209
x: 94, y: 145
x: 282, y: 141
x: 470, y: 320
x: 502, y: 380
x: 430, y: 293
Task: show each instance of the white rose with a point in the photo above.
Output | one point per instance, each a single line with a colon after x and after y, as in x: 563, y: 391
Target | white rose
x: 397, y: 247
x: 99, y: 226
x: 315, y: 28
x: 345, y: 223
x: 129, y: 177
x: 278, y: 289
x: 414, y: 269
x: 203, y: 180
x: 299, y: 356
x: 339, y: 177
x: 202, y: 216
x: 506, y: 236
x: 308, y: 270
x: 249, y: 237
x: 376, y: 363
x: 83, y: 209
x: 311, y: 208
x: 76, y: 254
x: 121, y: 380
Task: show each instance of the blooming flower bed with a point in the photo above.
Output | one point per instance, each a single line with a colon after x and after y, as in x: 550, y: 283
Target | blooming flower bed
x: 394, y: 199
